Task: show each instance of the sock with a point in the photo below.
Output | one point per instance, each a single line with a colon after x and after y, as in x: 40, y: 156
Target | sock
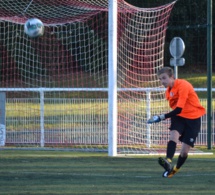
x: 180, y: 161
x: 171, y: 147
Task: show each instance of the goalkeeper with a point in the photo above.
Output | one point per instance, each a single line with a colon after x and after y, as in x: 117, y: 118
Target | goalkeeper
x: 185, y: 119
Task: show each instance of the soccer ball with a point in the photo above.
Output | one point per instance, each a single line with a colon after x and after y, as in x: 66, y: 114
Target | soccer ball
x: 34, y: 27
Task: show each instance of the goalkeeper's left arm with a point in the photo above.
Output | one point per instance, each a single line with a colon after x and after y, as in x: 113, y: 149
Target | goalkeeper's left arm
x: 158, y: 118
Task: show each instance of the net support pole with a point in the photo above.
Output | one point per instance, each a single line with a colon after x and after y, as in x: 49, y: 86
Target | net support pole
x: 112, y: 78
x: 2, y: 118
x: 209, y: 71
x: 42, y: 138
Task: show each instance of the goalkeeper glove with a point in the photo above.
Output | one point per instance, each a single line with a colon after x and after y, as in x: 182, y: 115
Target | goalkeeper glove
x: 156, y: 119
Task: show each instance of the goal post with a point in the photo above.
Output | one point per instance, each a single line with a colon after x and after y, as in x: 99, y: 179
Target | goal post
x: 112, y: 77
x: 89, y: 83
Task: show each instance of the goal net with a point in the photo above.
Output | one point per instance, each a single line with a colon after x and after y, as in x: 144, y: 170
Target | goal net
x: 56, y: 85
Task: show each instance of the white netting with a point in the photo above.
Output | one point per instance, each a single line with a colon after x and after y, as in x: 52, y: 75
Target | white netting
x: 62, y: 75
x: 141, y: 40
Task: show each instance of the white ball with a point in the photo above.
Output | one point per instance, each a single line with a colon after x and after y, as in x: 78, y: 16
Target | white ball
x: 34, y: 27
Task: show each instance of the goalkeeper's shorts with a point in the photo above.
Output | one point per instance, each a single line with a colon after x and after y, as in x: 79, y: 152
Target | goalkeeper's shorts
x: 187, y: 128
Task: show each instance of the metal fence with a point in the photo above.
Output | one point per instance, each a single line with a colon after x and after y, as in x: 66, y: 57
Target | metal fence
x: 61, y: 126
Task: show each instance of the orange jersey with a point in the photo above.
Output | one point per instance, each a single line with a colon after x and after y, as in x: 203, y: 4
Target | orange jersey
x: 182, y: 95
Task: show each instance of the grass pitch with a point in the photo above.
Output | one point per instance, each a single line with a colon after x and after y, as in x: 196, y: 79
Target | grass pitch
x: 64, y: 172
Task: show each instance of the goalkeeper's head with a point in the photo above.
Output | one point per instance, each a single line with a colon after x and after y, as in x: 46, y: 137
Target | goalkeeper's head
x: 166, y: 76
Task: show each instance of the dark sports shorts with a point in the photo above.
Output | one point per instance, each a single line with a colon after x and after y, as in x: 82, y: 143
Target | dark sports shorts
x: 187, y: 128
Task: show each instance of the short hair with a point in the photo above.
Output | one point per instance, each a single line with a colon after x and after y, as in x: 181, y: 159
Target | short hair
x: 167, y: 70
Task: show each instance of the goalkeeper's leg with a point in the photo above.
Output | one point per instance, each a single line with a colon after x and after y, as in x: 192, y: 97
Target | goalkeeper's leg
x: 188, y: 139
x: 181, y: 160
x: 171, y: 148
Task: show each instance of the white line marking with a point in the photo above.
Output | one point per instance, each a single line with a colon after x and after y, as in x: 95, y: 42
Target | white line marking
x: 100, y: 175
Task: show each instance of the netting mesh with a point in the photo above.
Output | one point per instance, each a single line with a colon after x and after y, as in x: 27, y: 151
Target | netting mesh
x: 74, y: 45
x: 57, y: 84
x: 141, y: 54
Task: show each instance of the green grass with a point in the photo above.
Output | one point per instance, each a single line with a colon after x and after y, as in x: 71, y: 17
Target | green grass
x: 197, y: 80
x: 65, y: 172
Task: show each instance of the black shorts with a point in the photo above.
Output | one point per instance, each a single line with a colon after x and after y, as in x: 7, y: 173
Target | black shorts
x: 187, y: 128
